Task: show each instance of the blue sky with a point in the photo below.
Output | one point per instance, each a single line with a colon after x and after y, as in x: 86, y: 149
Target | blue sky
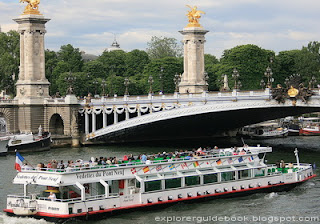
x: 91, y: 25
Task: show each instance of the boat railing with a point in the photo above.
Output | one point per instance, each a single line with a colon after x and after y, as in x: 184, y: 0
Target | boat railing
x: 88, y: 166
x: 21, y: 196
x: 273, y: 169
x: 94, y: 197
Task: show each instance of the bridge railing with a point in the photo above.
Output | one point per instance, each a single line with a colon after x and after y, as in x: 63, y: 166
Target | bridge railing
x: 7, y: 101
x: 210, y: 96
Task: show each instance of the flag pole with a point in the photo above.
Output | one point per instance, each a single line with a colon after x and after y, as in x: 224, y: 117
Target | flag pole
x: 25, y: 160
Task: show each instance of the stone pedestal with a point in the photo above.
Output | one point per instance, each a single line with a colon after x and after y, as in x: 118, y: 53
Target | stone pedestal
x: 32, y: 85
x: 193, y: 79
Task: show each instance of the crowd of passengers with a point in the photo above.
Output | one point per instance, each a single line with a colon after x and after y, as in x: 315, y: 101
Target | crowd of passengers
x: 142, y: 158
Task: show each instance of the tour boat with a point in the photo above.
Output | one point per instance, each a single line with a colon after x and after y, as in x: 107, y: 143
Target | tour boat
x: 264, y: 131
x: 310, y: 126
x: 87, y: 190
x: 4, y: 145
x: 30, y: 142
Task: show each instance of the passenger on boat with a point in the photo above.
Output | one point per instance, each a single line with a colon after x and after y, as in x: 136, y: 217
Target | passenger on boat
x: 125, y: 158
x: 143, y: 158
x: 61, y: 165
x: 52, y: 196
x: 54, y: 164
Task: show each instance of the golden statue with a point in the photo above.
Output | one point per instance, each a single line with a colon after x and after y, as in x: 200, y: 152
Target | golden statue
x: 194, y: 15
x: 32, y: 7
x: 293, y: 92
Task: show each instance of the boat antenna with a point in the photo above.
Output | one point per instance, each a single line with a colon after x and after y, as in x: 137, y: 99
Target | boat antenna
x: 297, y: 156
x: 242, y: 141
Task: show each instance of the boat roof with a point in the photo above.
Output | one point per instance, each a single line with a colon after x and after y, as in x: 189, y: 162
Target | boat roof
x: 87, y: 174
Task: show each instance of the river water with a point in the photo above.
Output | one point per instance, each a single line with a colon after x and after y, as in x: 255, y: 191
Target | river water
x: 300, y: 205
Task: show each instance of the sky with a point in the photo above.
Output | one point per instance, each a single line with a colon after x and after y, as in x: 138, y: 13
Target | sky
x: 91, y: 25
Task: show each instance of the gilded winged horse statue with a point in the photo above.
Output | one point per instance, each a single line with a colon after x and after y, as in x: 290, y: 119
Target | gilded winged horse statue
x: 194, y: 15
x: 32, y: 7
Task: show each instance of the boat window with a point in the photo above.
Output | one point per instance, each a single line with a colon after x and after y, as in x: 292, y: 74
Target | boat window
x: 173, y: 183
x: 210, y: 178
x: 258, y: 172
x: 192, y: 180
x: 226, y: 176
x: 244, y: 174
x: 138, y: 184
x: 153, y: 185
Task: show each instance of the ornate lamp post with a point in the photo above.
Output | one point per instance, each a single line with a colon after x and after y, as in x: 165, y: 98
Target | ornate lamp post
x: 235, y: 76
x: 70, y: 80
x: 161, y: 79
x: 262, y: 83
x: 103, y: 85
x: 88, y: 83
x: 126, y: 84
x: 312, y: 82
x: 95, y: 83
x: 150, y: 81
x: 287, y: 82
x: 268, y: 73
x: 176, y: 80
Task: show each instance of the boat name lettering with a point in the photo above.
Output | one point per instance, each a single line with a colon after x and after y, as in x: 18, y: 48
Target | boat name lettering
x: 53, y: 208
x: 48, y: 178
x: 289, y: 176
x: 100, y: 174
x: 128, y: 198
x: 26, y: 177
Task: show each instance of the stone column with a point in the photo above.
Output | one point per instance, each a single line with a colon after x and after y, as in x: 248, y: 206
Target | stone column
x: 32, y: 84
x: 193, y: 80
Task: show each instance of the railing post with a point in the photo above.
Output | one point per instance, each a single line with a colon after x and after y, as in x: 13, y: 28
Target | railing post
x: 127, y: 112
x: 115, y: 115
x: 86, y: 118
x: 93, y: 121
x: 104, y: 118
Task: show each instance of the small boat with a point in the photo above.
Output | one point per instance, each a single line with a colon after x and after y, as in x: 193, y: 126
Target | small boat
x: 264, y: 131
x: 310, y: 126
x: 4, y: 145
x: 87, y: 190
x: 29, y: 142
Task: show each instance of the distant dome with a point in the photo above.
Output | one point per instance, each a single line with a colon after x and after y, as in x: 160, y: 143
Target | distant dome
x: 114, y: 46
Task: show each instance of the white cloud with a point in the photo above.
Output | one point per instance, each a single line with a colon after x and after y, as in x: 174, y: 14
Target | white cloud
x: 90, y: 25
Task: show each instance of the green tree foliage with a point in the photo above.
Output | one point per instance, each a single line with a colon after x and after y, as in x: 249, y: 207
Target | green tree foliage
x: 161, y: 47
x: 210, y: 62
x: 170, y: 65
x: 135, y: 62
x: 9, y: 60
x: 251, y: 62
x: 72, y: 57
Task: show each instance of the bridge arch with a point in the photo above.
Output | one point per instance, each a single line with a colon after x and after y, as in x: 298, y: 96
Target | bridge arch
x: 7, y: 115
x: 3, y: 124
x: 56, y: 125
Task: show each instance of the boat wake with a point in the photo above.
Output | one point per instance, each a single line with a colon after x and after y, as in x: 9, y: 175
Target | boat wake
x: 4, y: 219
x: 271, y: 195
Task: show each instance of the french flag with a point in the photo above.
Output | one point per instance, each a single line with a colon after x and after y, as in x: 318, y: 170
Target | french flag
x: 19, y: 161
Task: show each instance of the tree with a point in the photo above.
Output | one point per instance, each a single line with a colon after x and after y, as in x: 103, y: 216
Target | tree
x: 250, y: 60
x: 160, y: 47
x: 71, y: 56
x: 113, y: 62
x: 170, y: 65
x: 135, y: 62
x: 51, y: 61
x: 9, y: 60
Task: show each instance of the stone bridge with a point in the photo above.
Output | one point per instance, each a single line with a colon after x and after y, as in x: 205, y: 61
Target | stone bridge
x: 179, y: 116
